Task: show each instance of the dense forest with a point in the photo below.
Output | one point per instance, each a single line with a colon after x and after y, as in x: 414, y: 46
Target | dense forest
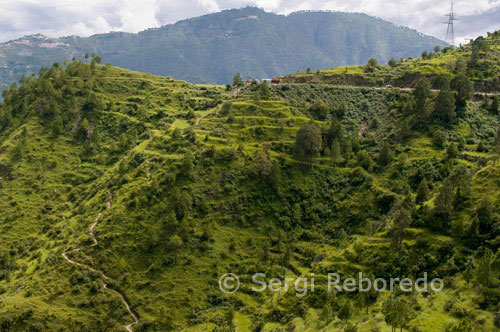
x: 125, y: 197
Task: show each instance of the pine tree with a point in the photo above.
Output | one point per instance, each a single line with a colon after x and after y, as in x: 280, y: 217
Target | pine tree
x: 402, y: 220
x: 327, y: 314
x: 364, y: 160
x: 345, y: 311
x: 83, y: 129
x: 264, y: 91
x: 335, y: 152
x: 484, y: 276
x: 422, y: 192
x: 463, y: 89
x: 261, y: 165
x: 308, y: 142
x: 237, y: 80
x: 469, y: 270
x: 452, y: 151
x: 421, y: 95
x: 57, y: 126
x: 386, y: 155
x: 444, y: 107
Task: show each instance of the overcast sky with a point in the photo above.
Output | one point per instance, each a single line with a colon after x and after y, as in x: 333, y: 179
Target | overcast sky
x: 86, y: 17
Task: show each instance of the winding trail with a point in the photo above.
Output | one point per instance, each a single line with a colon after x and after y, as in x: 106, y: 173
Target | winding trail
x: 100, y: 273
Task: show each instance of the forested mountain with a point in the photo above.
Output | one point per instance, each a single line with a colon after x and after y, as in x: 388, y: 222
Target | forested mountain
x: 126, y: 196
x: 212, y: 48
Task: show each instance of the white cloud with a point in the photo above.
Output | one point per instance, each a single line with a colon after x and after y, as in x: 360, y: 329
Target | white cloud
x: 209, y: 5
x: 137, y: 15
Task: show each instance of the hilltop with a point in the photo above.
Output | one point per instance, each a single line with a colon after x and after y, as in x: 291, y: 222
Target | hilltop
x: 479, y: 60
x: 212, y: 48
x: 120, y: 187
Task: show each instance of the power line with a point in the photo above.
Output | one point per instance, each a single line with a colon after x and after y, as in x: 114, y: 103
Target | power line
x: 450, y: 31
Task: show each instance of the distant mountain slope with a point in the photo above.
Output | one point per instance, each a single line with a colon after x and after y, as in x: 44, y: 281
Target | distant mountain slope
x: 212, y: 48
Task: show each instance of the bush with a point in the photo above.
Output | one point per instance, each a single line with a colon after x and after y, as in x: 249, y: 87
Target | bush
x: 439, y: 139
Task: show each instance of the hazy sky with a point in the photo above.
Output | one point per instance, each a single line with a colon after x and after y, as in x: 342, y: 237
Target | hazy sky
x: 85, y: 17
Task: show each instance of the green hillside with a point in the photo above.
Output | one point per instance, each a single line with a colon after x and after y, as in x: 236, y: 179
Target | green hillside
x: 212, y: 48
x: 479, y: 60
x: 121, y: 188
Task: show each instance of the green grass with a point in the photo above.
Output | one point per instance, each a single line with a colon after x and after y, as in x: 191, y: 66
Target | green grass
x: 228, y: 217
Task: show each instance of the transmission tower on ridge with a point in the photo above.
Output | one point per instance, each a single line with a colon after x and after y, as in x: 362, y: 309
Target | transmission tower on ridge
x: 450, y: 32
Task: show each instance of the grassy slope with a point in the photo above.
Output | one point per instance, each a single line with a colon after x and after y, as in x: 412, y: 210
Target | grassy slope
x: 56, y: 194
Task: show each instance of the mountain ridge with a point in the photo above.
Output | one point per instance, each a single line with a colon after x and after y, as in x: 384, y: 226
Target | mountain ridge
x: 261, y: 47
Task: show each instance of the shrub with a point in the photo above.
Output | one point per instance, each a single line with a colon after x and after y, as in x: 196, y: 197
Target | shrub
x: 439, y: 139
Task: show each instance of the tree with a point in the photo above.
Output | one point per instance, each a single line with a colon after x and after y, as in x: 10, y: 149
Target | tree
x: 402, y: 220
x: 425, y: 55
x: 481, y: 147
x: 389, y: 311
x: 335, y: 152
x: 494, y: 105
x: 392, y: 62
x: 437, y: 49
x: 264, y: 91
x: 83, y: 129
x: 373, y: 62
x: 308, y: 142
x: 345, y: 311
x: 261, y: 165
x: 460, y: 179
x: 370, y: 297
x: 364, y: 160
x: 335, y: 132
x: 327, y: 314
x: 398, y: 312
x: 452, y: 151
x: 386, y: 155
x: 439, y: 138
x: 485, y: 215
x: 422, y: 192
x: 226, y: 108
x: 461, y: 66
x: 443, y: 205
x: 186, y: 168
x: 175, y: 242
x: 237, y: 80
x: 469, y: 270
x: 371, y: 65
x: 421, y: 95
x: 57, y: 126
x: 256, y: 96
x: 440, y: 81
x: 484, y: 274
x: 319, y: 109
x: 463, y: 89
x: 444, y: 107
